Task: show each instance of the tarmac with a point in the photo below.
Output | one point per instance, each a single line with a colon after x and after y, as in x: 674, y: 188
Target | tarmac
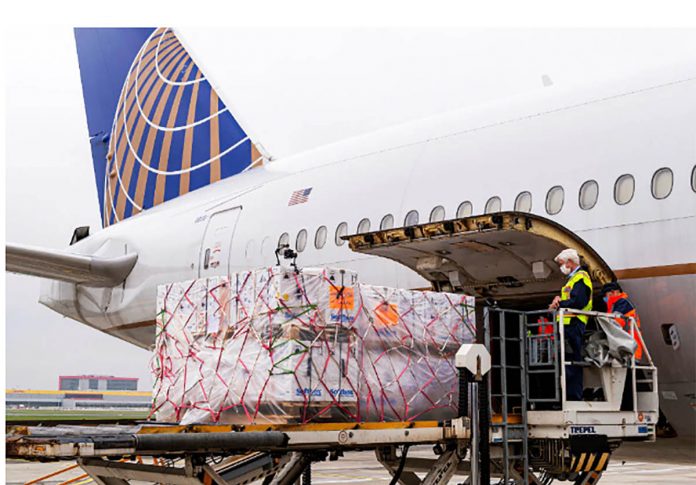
x: 670, y: 461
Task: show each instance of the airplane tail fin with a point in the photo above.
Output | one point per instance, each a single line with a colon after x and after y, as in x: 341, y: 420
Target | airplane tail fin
x: 157, y: 127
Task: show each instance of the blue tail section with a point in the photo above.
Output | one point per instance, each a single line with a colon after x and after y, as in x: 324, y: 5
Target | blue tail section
x: 157, y: 128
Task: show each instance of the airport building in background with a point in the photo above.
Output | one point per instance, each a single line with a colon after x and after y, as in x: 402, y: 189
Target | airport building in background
x: 83, y: 392
x: 97, y: 383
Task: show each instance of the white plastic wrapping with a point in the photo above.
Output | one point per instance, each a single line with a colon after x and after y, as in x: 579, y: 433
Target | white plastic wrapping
x: 409, y: 339
x: 273, y: 345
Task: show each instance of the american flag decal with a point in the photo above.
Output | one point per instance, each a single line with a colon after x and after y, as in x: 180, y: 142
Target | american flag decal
x: 300, y: 196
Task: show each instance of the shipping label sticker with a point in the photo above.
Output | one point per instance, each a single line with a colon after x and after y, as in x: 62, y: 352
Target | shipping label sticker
x: 342, y: 298
x: 387, y: 314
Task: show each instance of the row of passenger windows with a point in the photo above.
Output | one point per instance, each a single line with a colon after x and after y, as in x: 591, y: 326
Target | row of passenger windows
x: 624, y: 189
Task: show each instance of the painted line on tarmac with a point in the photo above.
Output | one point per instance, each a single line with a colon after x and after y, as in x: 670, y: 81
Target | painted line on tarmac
x: 83, y: 482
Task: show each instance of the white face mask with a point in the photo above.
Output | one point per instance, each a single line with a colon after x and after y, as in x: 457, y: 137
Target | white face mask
x: 565, y: 270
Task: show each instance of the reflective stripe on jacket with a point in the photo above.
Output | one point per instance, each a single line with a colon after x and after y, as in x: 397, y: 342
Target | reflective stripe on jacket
x: 580, y: 275
x: 611, y: 302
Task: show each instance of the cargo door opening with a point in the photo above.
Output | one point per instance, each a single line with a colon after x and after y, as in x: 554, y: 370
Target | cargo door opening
x: 505, y: 260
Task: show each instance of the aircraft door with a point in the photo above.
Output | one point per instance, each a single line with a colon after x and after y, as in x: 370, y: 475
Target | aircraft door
x: 217, y: 242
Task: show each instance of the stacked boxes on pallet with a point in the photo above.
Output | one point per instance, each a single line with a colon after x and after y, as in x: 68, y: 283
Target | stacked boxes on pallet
x: 276, y: 345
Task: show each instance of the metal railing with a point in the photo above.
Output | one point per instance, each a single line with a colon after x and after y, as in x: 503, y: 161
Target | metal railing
x: 630, y: 365
x: 514, y: 432
x: 543, y: 356
x: 546, y: 351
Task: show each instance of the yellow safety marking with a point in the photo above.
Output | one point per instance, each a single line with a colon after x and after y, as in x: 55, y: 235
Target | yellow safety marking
x: 572, y: 462
x: 342, y: 426
x: 581, y: 460
x: 512, y: 418
x: 181, y: 429
x: 83, y: 482
x: 79, y: 478
x: 287, y: 427
x: 588, y: 466
x: 602, y: 461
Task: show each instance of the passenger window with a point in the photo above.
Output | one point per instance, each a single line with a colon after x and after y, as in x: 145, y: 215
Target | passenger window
x: 284, y: 239
x: 662, y: 182
x: 411, y: 219
x: 341, y: 231
x: 554, y: 200
x: 523, y: 202
x: 588, y: 195
x: 266, y: 251
x: 624, y: 189
x: 387, y: 222
x: 464, y: 210
x: 492, y: 205
x: 320, y: 237
x: 250, y: 250
x: 364, y: 226
x: 301, y: 241
x: 437, y: 214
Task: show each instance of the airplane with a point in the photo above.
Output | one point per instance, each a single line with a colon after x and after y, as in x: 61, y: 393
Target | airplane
x: 185, y: 192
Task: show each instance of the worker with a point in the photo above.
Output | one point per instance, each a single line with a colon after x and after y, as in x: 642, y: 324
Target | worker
x: 617, y: 302
x: 576, y: 294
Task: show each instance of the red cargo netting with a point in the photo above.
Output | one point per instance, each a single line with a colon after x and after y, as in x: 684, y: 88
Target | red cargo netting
x: 275, y: 345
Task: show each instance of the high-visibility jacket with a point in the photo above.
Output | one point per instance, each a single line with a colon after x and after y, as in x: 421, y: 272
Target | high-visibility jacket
x: 545, y: 329
x: 611, y: 302
x: 579, y: 275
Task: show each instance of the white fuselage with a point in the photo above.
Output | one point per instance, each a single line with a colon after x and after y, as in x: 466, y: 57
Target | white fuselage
x: 556, y: 139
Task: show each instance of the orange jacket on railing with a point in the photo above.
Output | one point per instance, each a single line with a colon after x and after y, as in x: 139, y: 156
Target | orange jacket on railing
x: 621, y: 304
x: 544, y: 329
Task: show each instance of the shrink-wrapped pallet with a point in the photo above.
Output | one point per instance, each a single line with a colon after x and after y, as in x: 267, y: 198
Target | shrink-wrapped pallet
x: 409, y: 339
x: 276, y: 345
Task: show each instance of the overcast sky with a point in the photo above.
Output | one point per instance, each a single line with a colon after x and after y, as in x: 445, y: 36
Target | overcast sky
x: 293, y: 90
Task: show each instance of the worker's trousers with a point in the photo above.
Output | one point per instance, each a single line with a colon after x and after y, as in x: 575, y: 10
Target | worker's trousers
x: 574, y: 333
